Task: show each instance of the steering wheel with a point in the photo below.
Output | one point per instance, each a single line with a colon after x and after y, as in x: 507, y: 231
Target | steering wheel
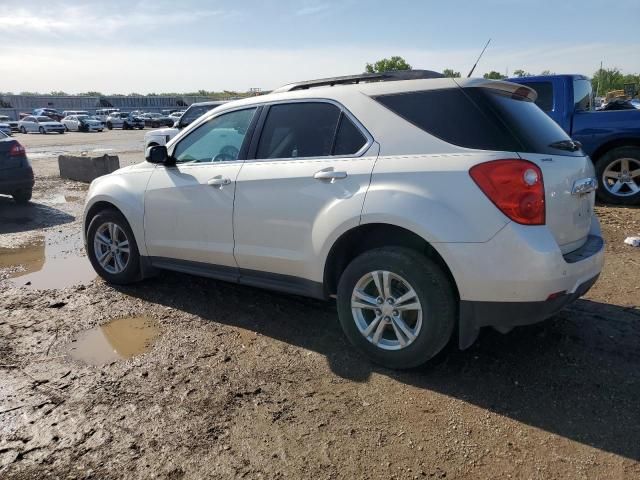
x: 227, y: 153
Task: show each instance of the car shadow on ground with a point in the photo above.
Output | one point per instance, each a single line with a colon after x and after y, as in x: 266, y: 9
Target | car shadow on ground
x: 576, y: 375
x: 16, y: 218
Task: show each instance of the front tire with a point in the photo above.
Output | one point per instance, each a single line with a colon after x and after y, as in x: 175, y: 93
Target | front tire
x: 22, y: 196
x: 66, y: 129
x: 109, y: 126
x: 396, y: 306
x: 23, y: 130
x: 112, y: 249
x: 618, y: 173
x: 42, y: 131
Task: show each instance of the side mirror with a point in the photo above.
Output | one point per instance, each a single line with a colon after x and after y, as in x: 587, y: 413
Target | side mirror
x: 157, y: 154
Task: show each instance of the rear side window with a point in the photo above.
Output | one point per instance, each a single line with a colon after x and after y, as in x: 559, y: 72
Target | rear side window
x: 299, y: 130
x: 545, y: 94
x: 349, y: 139
x: 480, y: 118
x: 449, y: 115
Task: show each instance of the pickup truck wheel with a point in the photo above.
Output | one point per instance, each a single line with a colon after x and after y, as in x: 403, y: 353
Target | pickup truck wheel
x: 619, y: 176
x: 22, y: 196
x: 396, y: 306
x: 112, y: 249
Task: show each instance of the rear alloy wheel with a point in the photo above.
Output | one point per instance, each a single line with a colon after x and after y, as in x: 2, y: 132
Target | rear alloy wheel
x: 112, y: 249
x: 619, y: 176
x: 22, y: 196
x: 396, y: 306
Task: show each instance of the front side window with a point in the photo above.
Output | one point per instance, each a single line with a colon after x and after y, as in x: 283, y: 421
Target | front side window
x: 299, y: 130
x: 218, y: 140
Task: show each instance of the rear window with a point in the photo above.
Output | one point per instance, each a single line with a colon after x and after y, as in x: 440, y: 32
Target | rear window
x: 545, y: 94
x: 480, y: 118
x: 582, y: 95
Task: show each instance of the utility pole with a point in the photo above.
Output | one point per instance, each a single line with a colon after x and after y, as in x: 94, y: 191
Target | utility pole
x: 599, y: 77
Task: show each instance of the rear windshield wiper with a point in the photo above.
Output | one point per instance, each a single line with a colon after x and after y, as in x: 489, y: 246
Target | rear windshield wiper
x: 570, y: 145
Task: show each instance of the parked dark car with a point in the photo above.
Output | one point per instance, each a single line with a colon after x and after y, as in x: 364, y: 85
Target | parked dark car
x: 618, y: 104
x: 48, y: 112
x: 16, y: 175
x: 157, y: 120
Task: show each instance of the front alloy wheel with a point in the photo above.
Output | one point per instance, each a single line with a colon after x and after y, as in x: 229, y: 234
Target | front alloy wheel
x: 112, y: 249
x: 111, y: 246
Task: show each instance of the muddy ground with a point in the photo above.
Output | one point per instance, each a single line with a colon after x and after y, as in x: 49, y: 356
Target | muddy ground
x: 237, y: 382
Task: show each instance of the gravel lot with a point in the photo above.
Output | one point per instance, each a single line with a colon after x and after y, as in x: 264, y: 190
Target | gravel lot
x: 235, y: 382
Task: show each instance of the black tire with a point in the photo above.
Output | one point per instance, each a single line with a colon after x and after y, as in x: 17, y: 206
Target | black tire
x: 141, y: 127
x: 23, y: 130
x: 42, y: 131
x: 22, y: 196
x: 109, y: 126
x: 433, y: 289
x: 131, y: 273
x: 66, y: 129
x: 609, y: 158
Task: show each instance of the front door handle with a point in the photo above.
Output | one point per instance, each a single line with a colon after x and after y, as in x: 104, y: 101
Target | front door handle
x: 218, y: 181
x: 329, y: 175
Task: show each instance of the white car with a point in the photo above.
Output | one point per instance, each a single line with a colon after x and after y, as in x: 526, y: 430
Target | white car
x: 426, y: 207
x: 82, y: 123
x: 103, y: 113
x: 32, y: 123
x: 66, y: 113
x: 162, y: 136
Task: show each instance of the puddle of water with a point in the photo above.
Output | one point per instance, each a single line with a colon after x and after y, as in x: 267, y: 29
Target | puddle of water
x: 118, y: 339
x: 48, y: 263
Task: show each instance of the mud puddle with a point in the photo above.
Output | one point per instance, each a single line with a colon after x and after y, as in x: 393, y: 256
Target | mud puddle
x: 118, y: 339
x: 48, y: 262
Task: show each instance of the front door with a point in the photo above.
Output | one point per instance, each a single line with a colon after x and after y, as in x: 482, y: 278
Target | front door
x: 189, y: 206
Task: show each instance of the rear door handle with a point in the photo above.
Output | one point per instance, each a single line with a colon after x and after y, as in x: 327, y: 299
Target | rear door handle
x: 218, y: 181
x: 329, y: 175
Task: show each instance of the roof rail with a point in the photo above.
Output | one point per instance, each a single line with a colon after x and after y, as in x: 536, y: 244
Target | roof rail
x: 363, y: 77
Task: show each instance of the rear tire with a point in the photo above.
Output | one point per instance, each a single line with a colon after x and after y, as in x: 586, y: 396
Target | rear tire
x: 430, y: 323
x: 42, y: 131
x: 109, y: 269
x: 611, y: 164
x: 23, y: 130
x: 22, y: 196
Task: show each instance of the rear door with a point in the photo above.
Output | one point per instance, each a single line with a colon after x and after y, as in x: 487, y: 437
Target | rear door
x: 310, y: 169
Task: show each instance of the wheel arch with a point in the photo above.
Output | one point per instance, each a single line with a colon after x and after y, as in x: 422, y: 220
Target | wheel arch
x: 364, y: 237
x: 611, y: 144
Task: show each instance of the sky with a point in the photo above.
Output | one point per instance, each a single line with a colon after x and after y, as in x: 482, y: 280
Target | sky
x: 124, y: 46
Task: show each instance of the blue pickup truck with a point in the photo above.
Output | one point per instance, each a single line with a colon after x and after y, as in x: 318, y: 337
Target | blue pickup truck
x: 610, y: 138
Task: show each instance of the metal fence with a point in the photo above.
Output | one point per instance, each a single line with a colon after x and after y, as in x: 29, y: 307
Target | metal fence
x: 16, y: 104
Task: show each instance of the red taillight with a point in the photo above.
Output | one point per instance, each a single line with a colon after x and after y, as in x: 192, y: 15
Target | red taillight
x: 17, y: 150
x: 515, y: 186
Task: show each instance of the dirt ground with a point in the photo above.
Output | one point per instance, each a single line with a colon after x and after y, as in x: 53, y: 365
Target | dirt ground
x: 244, y: 383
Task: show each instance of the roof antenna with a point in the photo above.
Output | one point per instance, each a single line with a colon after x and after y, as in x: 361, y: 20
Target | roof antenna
x: 479, y: 57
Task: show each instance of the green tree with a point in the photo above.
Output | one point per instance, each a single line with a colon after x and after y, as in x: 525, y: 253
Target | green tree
x: 608, y: 79
x: 547, y: 72
x: 58, y: 93
x: 493, y: 75
x: 388, y: 65
x: 91, y: 94
x: 521, y: 73
x: 450, y: 73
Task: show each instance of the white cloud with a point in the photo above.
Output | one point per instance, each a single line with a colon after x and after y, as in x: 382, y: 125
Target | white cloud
x: 313, y: 9
x: 172, y: 68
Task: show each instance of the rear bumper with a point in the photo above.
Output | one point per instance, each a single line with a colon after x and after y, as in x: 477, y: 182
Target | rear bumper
x: 519, y: 277
x: 15, y: 179
x: 503, y: 316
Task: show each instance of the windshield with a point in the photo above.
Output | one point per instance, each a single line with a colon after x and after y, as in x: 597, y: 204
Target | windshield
x: 193, y: 113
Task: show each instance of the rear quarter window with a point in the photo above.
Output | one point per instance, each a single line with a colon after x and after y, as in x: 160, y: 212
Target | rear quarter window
x: 481, y: 119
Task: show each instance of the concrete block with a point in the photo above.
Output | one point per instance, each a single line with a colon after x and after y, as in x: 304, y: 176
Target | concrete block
x: 86, y: 169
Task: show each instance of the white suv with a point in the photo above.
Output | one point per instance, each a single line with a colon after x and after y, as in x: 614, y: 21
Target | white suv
x: 425, y: 207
